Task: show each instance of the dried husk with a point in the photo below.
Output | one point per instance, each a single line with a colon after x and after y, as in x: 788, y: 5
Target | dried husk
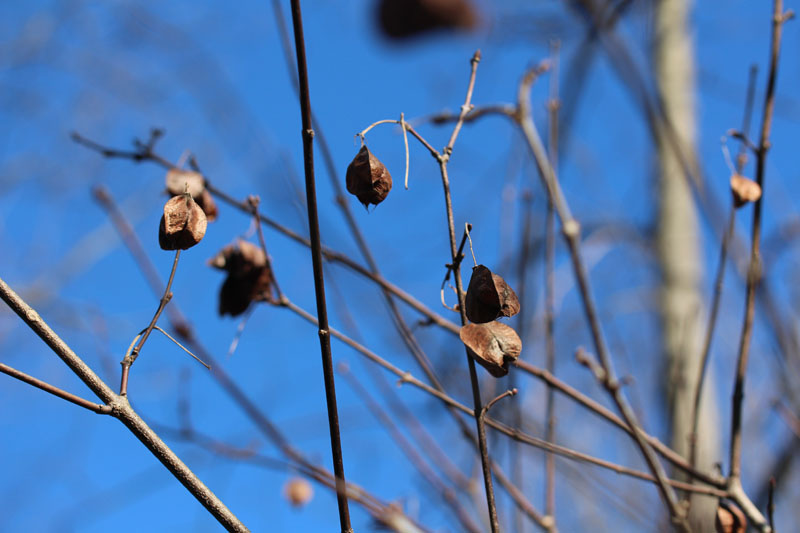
x: 208, y: 205
x: 367, y: 178
x: 744, y: 190
x: 249, y: 277
x: 401, y: 19
x: 183, y: 224
x: 492, y: 345
x: 489, y: 297
x: 730, y: 519
x: 179, y: 181
x: 298, y: 491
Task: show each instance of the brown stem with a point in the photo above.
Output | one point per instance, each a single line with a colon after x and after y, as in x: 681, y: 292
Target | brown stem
x: 316, y: 257
x: 121, y: 409
x: 771, y: 504
x: 473, y: 374
x: 712, y: 322
x: 571, y: 232
x: 754, y: 270
x: 55, y: 391
x: 131, y: 357
x: 254, y: 202
x: 422, y: 466
x: 741, y: 159
x: 549, y: 289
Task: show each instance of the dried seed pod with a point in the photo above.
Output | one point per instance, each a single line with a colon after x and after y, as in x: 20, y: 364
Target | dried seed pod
x: 180, y: 181
x: 492, y: 345
x: 489, y: 297
x: 367, y: 178
x: 298, y: 491
x: 208, y: 205
x: 249, y: 277
x: 744, y: 190
x: 183, y: 224
x: 730, y: 519
x: 400, y: 19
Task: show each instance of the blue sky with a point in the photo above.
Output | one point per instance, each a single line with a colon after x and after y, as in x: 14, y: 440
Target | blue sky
x: 214, y: 78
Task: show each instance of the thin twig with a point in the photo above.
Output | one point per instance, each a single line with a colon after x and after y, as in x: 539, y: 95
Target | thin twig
x: 485, y: 410
x: 549, y: 284
x: 405, y: 143
x: 443, y: 158
x: 771, y: 504
x: 254, y: 202
x: 129, y: 358
x: 316, y: 257
x: 754, y: 270
x: 121, y: 409
x: 741, y: 159
x: 571, y: 232
x: 422, y: 466
x: 55, y: 391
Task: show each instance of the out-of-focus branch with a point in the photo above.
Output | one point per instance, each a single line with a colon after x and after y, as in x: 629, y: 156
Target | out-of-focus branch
x: 122, y: 410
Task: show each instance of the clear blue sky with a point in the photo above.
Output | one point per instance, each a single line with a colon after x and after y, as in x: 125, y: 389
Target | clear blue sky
x: 213, y: 75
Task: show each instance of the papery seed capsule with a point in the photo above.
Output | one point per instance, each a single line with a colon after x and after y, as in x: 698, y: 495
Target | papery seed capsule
x: 179, y: 181
x: 183, y: 224
x: 249, y: 277
x: 744, y: 190
x: 730, y: 519
x: 367, y: 178
x: 298, y: 491
x: 492, y: 345
x: 400, y: 19
x: 489, y: 297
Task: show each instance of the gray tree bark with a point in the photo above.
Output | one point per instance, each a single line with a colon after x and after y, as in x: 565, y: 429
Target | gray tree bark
x: 682, y: 312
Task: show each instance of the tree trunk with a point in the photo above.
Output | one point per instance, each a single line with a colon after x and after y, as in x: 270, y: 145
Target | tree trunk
x: 682, y: 312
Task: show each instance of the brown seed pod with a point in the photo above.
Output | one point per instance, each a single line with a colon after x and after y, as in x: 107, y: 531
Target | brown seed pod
x: 208, y: 205
x: 489, y: 297
x: 298, y: 491
x: 249, y: 277
x: 367, y: 178
x: 183, y: 224
x: 744, y: 190
x: 179, y: 180
x: 492, y: 345
x: 400, y: 19
x: 730, y: 519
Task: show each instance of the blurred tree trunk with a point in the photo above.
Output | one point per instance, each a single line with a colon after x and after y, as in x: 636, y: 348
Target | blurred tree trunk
x: 682, y: 312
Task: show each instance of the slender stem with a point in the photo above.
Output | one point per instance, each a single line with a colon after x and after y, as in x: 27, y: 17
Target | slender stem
x: 754, y: 271
x: 467, y: 107
x: 712, y: 321
x: 419, y: 462
x: 485, y: 409
x: 571, y: 232
x: 741, y: 159
x: 55, y: 391
x: 254, y: 202
x: 473, y: 375
x: 121, y: 409
x: 771, y: 504
x: 131, y: 357
x: 316, y: 257
x: 549, y: 287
